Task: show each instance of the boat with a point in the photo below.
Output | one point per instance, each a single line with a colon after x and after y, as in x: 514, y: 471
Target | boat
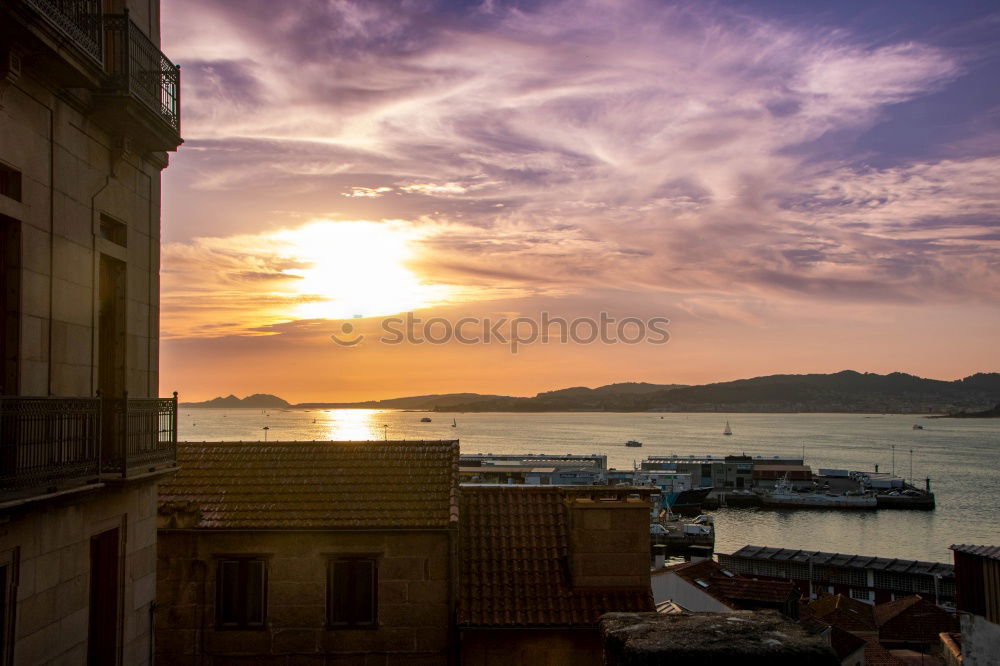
x: 727, y: 430
x: 917, y: 426
x: 426, y: 419
x: 783, y: 495
x: 633, y: 443
x: 686, y: 501
x: 454, y: 423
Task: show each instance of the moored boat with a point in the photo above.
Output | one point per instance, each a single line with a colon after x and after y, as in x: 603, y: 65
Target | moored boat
x: 783, y: 495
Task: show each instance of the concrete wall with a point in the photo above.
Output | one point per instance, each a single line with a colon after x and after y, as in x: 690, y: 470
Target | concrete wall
x: 980, y: 641
x: 53, y: 548
x: 669, y: 586
x: 529, y: 647
x: 414, y: 579
x: 71, y: 174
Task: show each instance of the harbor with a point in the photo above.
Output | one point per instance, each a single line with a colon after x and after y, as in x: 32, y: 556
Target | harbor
x: 689, y: 484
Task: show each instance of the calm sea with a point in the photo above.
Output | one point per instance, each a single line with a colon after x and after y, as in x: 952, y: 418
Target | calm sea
x: 961, y: 457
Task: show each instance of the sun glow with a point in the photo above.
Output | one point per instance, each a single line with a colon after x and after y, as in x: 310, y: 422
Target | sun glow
x: 355, y: 269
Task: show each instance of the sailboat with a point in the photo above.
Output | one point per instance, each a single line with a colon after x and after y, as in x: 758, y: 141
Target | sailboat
x: 728, y: 430
x: 454, y: 423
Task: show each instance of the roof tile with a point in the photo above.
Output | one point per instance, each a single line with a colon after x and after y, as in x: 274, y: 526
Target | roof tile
x: 515, y: 563
x: 314, y: 485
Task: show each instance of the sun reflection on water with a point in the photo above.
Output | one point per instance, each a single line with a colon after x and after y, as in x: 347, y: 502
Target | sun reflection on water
x: 352, y: 424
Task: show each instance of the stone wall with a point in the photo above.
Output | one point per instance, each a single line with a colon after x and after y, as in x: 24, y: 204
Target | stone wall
x: 72, y: 173
x: 414, y: 579
x: 980, y: 641
x: 53, y: 553
x: 609, y: 539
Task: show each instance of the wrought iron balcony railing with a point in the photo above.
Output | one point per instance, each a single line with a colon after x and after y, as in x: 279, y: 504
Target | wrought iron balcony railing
x: 135, y: 66
x: 80, y: 20
x: 48, y: 441
x: 51, y: 443
x: 142, y: 436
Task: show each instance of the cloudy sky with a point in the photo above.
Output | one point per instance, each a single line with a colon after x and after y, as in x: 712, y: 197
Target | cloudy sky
x: 797, y: 187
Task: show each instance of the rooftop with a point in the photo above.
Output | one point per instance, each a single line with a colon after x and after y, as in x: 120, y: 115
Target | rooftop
x: 913, y: 620
x: 312, y: 485
x: 989, y: 552
x: 515, y: 570
x: 732, y: 589
x: 842, y: 560
x: 841, y: 611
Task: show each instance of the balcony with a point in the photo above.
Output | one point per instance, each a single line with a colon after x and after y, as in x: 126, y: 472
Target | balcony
x: 48, y: 442
x: 62, y: 39
x: 137, y: 71
x: 52, y: 444
x: 80, y: 20
x: 142, y: 435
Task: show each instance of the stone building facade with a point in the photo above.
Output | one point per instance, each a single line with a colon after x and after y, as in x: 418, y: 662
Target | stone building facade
x: 88, y: 108
x: 321, y: 552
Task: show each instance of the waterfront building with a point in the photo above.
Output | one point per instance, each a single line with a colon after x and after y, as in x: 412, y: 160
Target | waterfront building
x: 308, y: 550
x: 865, y: 578
x: 539, y: 566
x: 721, y: 472
x: 766, y: 476
x: 89, y: 105
x: 977, y: 582
x: 534, y: 469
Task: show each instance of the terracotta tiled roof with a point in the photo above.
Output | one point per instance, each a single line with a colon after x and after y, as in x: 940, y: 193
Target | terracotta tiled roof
x: 732, y: 589
x: 841, y: 611
x: 515, y: 563
x: 913, y: 620
x: 844, y: 643
x: 876, y: 655
x: 290, y: 485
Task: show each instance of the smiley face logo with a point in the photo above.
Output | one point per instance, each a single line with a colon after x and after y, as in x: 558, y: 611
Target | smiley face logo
x: 344, y: 339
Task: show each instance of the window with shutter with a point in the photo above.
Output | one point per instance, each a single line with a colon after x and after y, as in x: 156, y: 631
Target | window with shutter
x: 242, y: 593
x: 352, y: 592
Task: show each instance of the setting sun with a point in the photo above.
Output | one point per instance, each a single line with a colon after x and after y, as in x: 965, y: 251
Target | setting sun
x: 355, y: 269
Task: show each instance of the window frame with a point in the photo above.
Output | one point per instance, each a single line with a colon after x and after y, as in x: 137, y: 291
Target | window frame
x: 241, y: 559
x: 353, y: 623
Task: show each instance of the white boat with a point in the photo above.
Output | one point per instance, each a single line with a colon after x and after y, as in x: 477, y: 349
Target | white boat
x: 727, y: 430
x: 783, y: 495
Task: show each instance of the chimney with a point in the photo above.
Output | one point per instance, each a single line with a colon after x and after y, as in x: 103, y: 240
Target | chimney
x: 609, y: 536
x: 659, y: 556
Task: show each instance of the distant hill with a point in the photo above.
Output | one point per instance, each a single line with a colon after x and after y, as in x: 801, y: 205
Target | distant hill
x: 846, y: 391
x: 257, y: 400
x: 419, y: 402
x: 625, y: 388
x: 993, y: 413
